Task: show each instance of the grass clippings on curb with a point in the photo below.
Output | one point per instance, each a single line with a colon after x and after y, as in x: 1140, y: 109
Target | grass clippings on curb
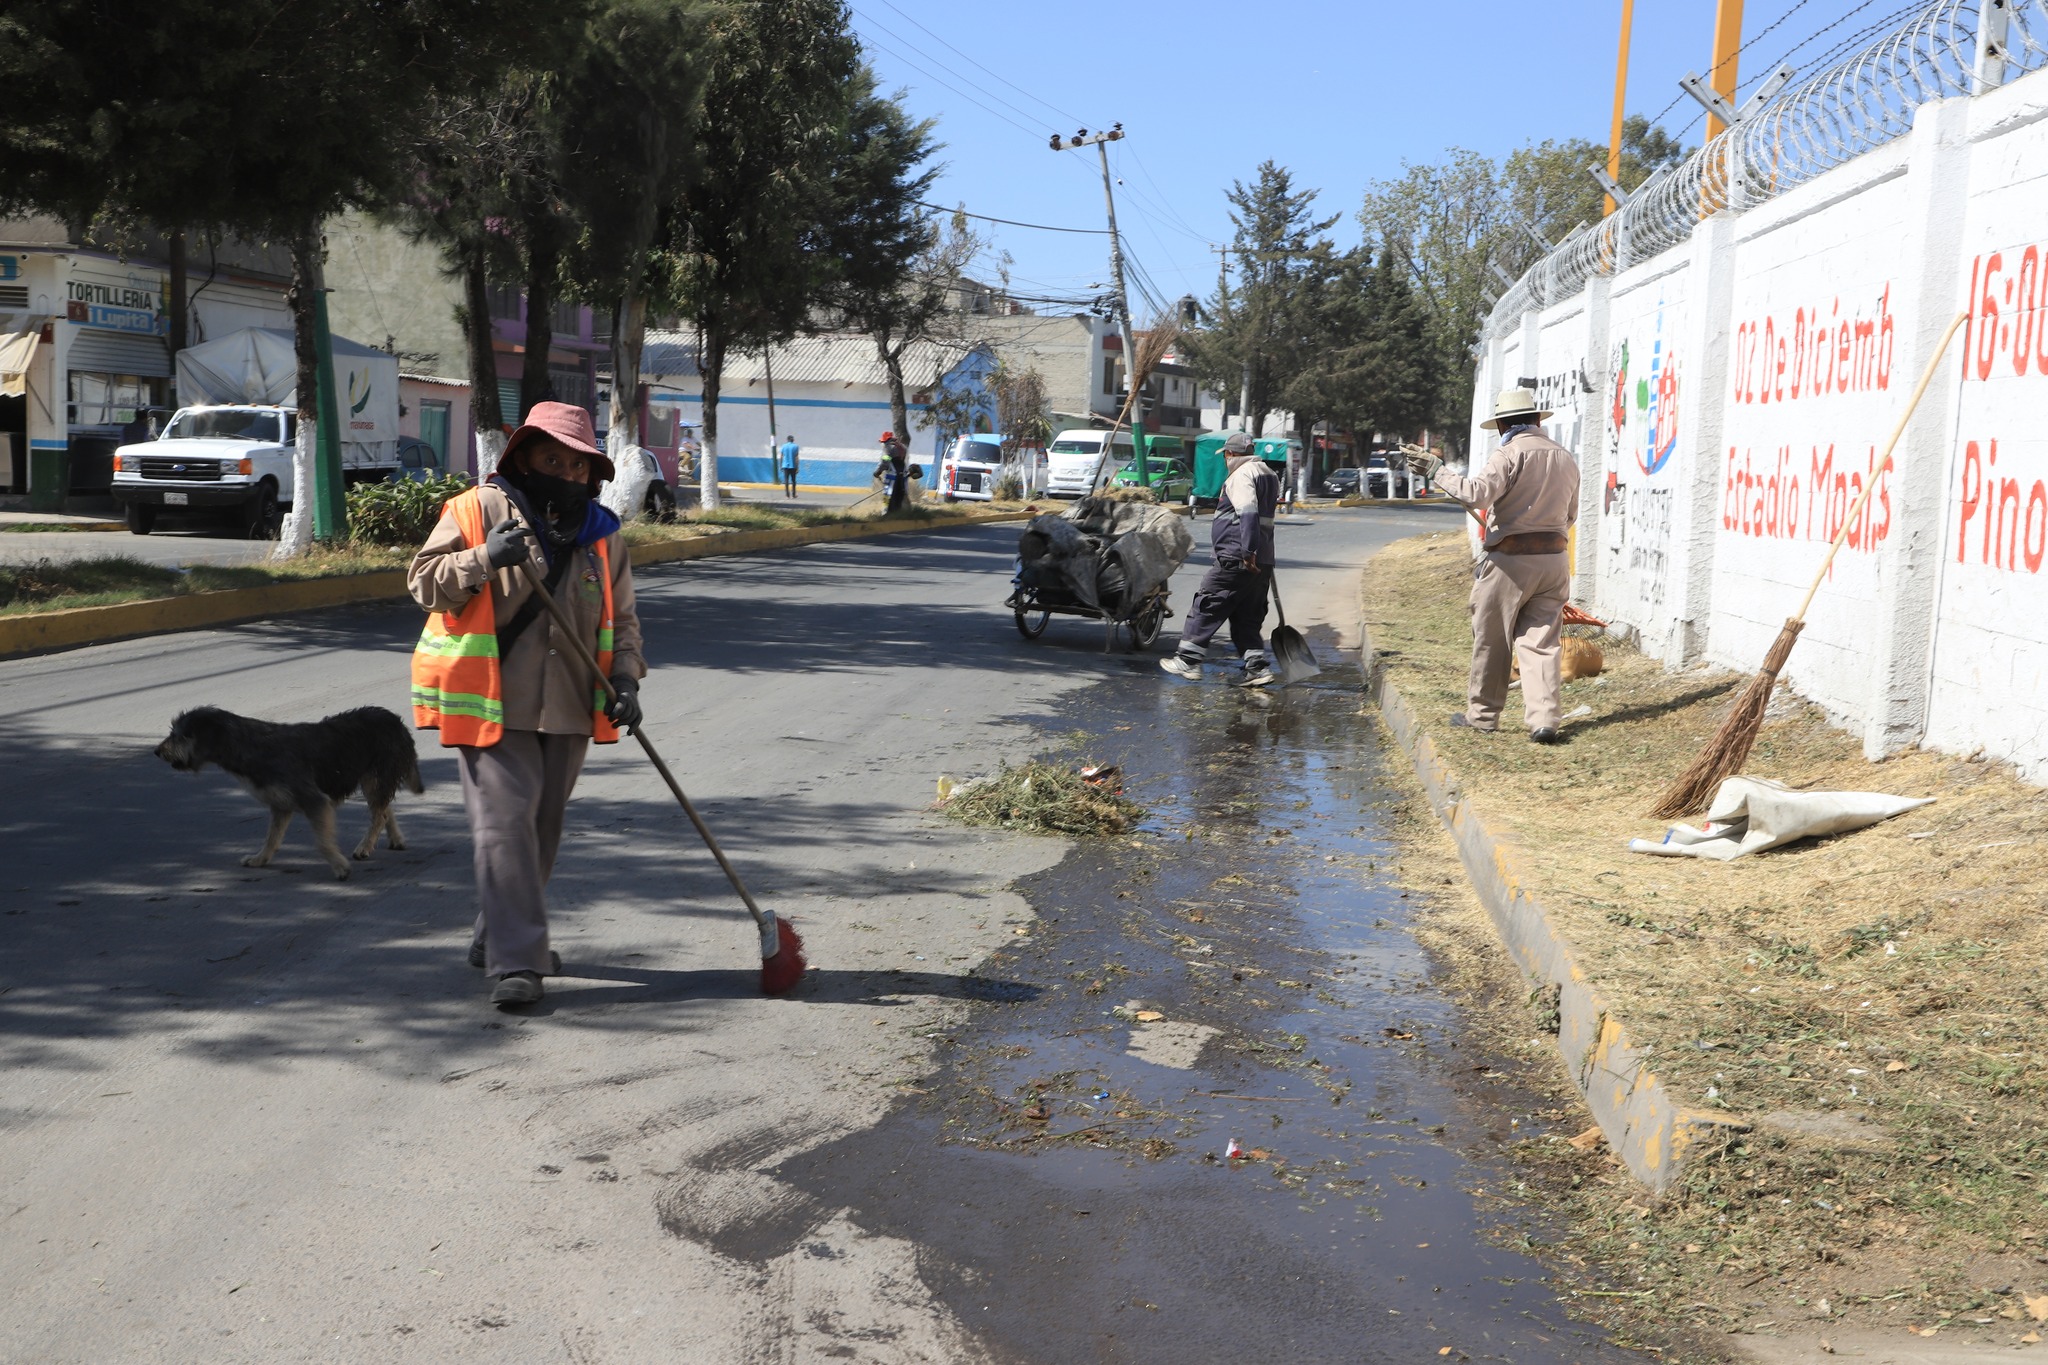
x: 1874, y: 1004
x: 1045, y: 798
x: 49, y: 585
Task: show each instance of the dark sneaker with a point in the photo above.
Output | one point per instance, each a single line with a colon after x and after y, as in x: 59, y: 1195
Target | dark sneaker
x: 1182, y: 668
x: 1458, y: 722
x: 1259, y: 673
x: 1545, y: 735
x: 517, y: 988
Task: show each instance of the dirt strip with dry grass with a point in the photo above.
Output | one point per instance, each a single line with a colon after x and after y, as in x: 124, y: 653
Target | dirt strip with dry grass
x: 1875, y: 1005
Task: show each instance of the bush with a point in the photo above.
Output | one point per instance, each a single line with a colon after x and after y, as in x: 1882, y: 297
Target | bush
x: 1009, y: 487
x: 399, y: 513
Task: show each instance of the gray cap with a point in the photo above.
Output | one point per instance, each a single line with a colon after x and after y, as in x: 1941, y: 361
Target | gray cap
x: 1237, y: 443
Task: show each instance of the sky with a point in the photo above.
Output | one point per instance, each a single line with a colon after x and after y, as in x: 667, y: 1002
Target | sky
x: 1341, y: 92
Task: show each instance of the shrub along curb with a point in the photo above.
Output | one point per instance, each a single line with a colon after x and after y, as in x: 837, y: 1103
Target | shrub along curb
x: 1642, y: 1120
x: 41, y: 632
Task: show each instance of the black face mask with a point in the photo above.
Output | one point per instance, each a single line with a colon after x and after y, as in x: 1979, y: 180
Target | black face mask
x: 560, y: 499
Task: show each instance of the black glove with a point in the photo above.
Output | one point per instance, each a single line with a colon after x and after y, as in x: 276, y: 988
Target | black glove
x: 508, y: 544
x: 624, y: 710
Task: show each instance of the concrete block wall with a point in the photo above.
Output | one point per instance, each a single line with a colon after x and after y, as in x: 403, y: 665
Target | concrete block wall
x: 1728, y: 399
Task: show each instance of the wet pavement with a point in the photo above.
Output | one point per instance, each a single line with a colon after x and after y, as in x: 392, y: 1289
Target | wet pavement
x: 1240, y: 971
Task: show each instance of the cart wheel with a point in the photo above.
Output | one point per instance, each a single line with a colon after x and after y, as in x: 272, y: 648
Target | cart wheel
x: 1031, y: 625
x: 1145, y: 627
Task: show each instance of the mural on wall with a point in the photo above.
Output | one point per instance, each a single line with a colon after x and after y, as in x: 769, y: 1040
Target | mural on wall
x: 1795, y: 490
x: 1642, y: 416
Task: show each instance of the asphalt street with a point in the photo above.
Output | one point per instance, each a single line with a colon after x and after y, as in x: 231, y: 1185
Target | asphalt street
x: 265, y: 1115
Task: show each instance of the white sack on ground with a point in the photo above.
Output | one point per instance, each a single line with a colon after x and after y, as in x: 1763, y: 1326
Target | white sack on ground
x: 1750, y: 814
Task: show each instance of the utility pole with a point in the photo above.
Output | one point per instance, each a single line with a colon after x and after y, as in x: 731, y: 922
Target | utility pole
x: 1628, y: 14
x: 1100, y: 142
x: 1244, y: 393
x: 1727, y: 43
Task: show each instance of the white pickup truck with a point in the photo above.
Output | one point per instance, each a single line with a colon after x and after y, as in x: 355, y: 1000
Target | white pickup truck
x: 234, y: 459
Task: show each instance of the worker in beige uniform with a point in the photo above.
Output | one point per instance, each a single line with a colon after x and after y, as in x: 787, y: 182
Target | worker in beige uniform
x: 514, y: 700
x: 1528, y: 494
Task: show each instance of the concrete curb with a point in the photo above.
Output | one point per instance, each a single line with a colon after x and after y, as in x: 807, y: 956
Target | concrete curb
x: 1646, y: 1125
x: 42, y: 632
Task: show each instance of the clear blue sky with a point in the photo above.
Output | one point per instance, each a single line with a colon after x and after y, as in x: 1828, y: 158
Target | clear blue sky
x: 1340, y: 91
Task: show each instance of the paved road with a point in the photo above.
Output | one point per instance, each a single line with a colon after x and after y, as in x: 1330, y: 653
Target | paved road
x: 261, y: 1115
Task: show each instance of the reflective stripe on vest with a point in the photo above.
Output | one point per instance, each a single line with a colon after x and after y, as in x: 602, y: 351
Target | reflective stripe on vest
x: 457, y: 686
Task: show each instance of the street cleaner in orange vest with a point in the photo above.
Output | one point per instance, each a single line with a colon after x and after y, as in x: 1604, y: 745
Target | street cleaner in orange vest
x: 515, y: 703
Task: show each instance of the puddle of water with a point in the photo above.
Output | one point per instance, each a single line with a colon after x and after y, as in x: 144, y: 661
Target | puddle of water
x: 1065, y: 1175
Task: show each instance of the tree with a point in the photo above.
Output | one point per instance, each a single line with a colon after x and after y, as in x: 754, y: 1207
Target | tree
x: 1371, y: 369
x: 748, y: 254
x: 898, y: 271
x: 1023, y: 415
x: 1261, y: 329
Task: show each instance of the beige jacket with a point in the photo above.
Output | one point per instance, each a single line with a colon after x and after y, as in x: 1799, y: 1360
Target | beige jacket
x: 1530, y: 483
x: 546, y: 687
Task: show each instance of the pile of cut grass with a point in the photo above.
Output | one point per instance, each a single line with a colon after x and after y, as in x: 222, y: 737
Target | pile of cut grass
x: 1045, y: 798
x: 103, y: 580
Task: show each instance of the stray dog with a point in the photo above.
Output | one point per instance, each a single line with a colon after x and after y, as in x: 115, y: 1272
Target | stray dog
x: 307, y: 768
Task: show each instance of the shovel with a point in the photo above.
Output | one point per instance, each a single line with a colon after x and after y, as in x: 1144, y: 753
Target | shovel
x: 1293, y: 660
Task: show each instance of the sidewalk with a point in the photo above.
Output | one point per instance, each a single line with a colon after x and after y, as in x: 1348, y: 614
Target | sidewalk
x: 57, y: 521
x: 1870, y: 1008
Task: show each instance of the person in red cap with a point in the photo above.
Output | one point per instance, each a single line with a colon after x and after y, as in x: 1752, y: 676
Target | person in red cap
x: 517, y: 705
x: 894, y: 458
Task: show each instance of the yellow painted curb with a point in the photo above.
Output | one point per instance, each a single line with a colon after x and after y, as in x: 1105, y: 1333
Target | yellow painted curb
x: 40, y: 632
x: 1648, y: 1127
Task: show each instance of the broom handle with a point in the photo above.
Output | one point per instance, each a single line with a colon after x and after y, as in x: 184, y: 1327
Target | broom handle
x: 582, y: 651
x: 1883, y: 461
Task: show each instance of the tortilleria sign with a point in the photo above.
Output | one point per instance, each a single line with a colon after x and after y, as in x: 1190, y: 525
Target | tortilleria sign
x: 115, y: 298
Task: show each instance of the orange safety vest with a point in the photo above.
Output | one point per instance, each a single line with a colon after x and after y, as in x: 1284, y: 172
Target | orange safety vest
x: 457, y: 687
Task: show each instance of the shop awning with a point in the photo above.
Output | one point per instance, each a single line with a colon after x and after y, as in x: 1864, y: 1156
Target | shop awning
x: 19, y: 333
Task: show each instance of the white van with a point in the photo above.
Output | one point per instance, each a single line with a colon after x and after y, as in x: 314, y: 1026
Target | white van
x: 1075, y: 466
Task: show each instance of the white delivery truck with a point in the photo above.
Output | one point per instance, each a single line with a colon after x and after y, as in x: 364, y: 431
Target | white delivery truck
x: 972, y: 469
x: 229, y: 449
x: 1075, y: 465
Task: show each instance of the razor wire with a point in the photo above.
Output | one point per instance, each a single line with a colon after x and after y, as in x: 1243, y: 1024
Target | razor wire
x: 1855, y: 105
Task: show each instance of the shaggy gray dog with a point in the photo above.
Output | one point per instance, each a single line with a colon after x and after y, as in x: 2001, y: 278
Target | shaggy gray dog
x: 306, y: 768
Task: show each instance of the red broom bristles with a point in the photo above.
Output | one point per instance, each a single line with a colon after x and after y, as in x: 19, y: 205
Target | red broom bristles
x: 781, y: 973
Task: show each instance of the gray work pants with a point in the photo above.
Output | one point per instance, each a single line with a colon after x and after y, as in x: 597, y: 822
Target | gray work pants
x: 1517, y: 608
x: 516, y: 792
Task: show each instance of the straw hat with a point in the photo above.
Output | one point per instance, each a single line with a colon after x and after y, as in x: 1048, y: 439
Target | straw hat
x: 1514, y: 403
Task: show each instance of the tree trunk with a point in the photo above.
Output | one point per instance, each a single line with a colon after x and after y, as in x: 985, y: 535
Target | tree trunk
x: 484, y: 411
x: 543, y: 271
x: 177, y: 305
x: 629, y: 335
x: 711, y: 369
x: 296, y: 537
x: 899, y: 407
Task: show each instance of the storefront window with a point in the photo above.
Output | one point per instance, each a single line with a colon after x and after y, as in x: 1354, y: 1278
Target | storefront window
x: 110, y: 400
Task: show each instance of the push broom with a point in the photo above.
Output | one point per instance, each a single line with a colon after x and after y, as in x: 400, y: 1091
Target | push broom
x: 782, y: 952
x: 1725, y: 754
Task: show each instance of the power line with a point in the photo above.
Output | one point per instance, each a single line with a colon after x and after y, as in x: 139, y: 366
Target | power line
x: 1011, y: 222
x: 1064, y: 115
x: 929, y: 58
x: 871, y: 40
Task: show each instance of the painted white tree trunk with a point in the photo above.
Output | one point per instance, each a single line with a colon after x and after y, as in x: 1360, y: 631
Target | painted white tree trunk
x: 295, y: 537
x: 490, y: 446
x: 707, y: 479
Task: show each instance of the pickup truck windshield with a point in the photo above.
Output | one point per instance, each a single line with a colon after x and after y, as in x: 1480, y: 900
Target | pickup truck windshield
x: 223, y: 424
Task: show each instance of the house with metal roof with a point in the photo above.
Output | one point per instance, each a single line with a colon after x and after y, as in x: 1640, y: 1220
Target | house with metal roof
x: 830, y: 392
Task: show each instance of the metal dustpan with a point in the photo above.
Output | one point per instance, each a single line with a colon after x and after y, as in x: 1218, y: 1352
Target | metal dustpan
x: 1293, y: 660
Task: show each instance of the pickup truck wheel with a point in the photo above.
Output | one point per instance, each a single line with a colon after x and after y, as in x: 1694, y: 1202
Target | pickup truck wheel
x: 141, y: 518
x: 262, y: 519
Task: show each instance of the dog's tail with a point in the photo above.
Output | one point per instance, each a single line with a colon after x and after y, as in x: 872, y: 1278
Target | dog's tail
x: 413, y: 783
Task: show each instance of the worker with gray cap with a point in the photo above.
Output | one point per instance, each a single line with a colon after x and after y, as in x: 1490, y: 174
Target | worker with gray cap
x: 1528, y: 498
x: 1238, y: 582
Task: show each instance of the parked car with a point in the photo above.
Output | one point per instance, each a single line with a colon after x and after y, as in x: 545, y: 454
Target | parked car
x: 971, y: 468
x: 1342, y: 483
x: 1172, y: 479
x: 417, y: 462
x: 234, y: 461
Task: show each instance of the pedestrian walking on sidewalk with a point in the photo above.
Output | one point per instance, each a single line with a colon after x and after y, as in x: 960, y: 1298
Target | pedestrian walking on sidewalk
x: 788, y: 455
x: 1528, y: 494
x: 1235, y: 589
x: 895, y: 465
x: 518, y: 706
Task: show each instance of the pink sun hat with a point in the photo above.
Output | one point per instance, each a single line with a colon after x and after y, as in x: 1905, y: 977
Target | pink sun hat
x: 568, y: 424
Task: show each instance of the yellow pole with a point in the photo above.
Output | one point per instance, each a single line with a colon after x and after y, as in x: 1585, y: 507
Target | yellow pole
x: 1727, y: 42
x: 1628, y: 14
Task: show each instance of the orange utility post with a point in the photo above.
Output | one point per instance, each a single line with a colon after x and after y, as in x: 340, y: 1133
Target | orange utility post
x: 1628, y: 14
x: 1727, y: 42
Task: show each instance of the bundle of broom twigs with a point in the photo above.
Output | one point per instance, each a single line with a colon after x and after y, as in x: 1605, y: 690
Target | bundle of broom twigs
x: 1149, y: 349
x: 1729, y: 749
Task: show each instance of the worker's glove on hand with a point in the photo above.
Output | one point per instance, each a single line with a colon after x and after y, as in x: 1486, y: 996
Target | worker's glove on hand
x: 1421, y: 462
x: 508, y: 544
x: 624, y: 709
